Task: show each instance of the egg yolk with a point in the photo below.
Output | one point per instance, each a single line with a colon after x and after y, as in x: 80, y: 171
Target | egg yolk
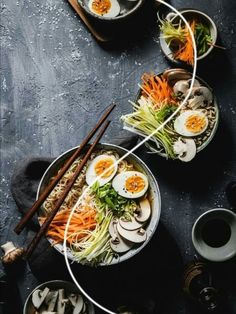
x: 134, y: 184
x: 104, y: 168
x: 195, y: 123
x: 101, y: 7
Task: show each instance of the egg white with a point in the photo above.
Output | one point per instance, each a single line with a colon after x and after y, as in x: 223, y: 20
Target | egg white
x: 113, y: 11
x: 179, y: 123
x: 119, y: 181
x: 91, y: 175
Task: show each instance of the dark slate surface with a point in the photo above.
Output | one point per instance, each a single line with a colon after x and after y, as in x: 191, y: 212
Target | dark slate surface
x: 56, y: 80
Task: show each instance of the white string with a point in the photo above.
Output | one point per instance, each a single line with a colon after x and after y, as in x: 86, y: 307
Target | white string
x: 130, y: 152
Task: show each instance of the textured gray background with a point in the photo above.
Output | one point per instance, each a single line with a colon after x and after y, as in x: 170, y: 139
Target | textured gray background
x: 56, y: 80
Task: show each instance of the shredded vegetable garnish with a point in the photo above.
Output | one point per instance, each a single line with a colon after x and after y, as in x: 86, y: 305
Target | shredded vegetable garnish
x: 95, y: 247
x: 108, y: 199
x: 144, y: 120
x: 157, y: 88
x: 178, y: 38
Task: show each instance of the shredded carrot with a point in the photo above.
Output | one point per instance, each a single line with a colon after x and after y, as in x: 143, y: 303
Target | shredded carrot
x: 185, y: 53
x: 82, y: 221
x: 157, y: 88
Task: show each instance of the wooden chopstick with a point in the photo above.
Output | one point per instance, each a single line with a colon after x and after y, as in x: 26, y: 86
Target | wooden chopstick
x: 20, y: 226
x: 62, y: 197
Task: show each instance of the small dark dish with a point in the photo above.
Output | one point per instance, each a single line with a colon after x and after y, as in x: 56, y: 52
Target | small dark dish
x: 127, y: 9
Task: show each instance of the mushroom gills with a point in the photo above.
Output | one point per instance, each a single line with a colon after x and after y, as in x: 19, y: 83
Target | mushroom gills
x: 144, y: 212
x: 39, y: 296
x: 135, y: 236
x: 132, y: 224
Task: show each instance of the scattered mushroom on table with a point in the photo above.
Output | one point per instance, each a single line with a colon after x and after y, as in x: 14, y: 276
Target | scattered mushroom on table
x: 11, y: 253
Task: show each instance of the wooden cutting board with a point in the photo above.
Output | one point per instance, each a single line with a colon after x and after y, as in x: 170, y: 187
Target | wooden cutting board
x: 91, y: 27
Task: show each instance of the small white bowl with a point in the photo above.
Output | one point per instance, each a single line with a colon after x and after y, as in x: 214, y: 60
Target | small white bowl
x: 215, y: 254
x: 189, y: 13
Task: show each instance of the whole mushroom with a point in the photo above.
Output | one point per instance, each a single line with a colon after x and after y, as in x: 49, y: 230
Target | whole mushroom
x: 185, y: 149
x: 11, y: 252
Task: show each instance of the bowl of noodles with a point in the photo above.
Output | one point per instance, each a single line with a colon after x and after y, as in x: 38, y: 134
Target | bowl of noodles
x: 114, y: 206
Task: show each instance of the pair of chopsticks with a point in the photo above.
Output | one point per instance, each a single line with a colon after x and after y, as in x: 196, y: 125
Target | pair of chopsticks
x: 20, y: 226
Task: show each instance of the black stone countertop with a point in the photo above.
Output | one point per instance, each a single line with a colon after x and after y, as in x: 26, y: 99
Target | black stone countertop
x: 56, y: 80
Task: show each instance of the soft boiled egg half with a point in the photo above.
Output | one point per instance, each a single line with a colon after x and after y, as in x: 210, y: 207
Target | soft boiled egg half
x: 191, y: 123
x: 130, y: 184
x: 102, y: 169
x: 105, y: 8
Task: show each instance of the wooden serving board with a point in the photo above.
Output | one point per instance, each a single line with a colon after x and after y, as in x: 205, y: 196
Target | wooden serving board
x: 90, y: 25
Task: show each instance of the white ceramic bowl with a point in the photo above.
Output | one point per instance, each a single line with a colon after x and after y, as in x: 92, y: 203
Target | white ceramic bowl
x: 221, y: 253
x: 189, y: 13
x: 153, y: 188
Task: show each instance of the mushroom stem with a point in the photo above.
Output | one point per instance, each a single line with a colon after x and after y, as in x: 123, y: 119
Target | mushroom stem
x: 8, y: 247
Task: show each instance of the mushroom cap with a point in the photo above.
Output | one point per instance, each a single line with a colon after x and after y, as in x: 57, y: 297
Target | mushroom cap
x: 135, y: 236
x: 39, y: 296
x: 174, y: 75
x: 144, y: 212
x: 112, y: 228
x: 190, y: 152
x: 79, y: 305
x: 120, y: 245
x: 181, y: 86
x: 117, y: 243
x: 132, y: 224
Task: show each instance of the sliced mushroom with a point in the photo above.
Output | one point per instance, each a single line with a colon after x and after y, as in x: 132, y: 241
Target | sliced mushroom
x: 136, y: 236
x: 79, y: 305
x: 131, y: 224
x: 195, y: 84
x: 84, y: 308
x: 61, y: 303
x: 185, y: 149
x: 51, y: 300
x: 181, y: 87
x: 73, y: 298
x: 120, y: 245
x: 112, y: 228
x: 144, y: 211
x: 39, y: 296
x: 200, y: 97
